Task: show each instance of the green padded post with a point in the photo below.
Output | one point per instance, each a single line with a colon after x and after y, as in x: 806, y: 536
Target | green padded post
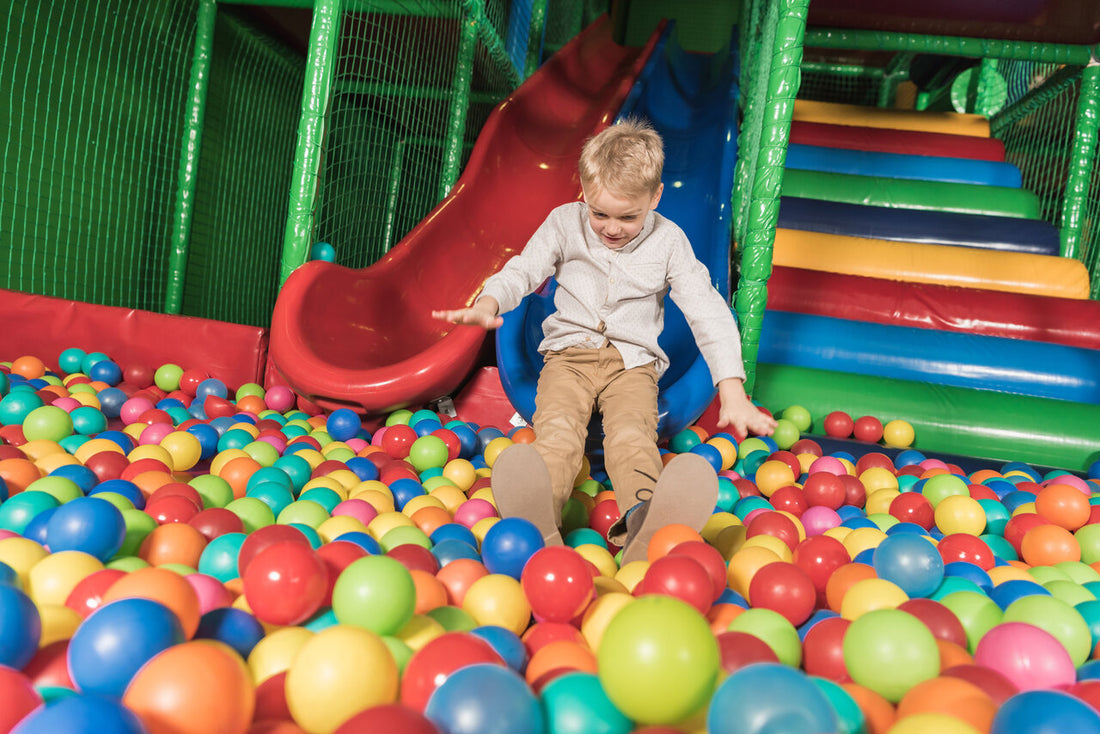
x: 324, y: 37
x: 189, y: 155
x: 948, y: 45
x: 535, y: 36
x: 1081, y: 160
x: 460, y: 100
x: 388, y: 234
x: 763, y: 212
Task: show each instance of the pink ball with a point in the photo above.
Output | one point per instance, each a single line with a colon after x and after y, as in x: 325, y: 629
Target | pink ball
x: 1067, y: 479
x: 66, y: 404
x: 155, y: 433
x: 829, y: 464
x: 280, y: 398
x: 211, y: 592
x: 361, y: 510
x: 816, y: 520
x: 276, y: 441
x: 756, y: 513
x: 356, y: 444
x: 133, y: 409
x: 376, y: 439
x: 470, y: 511
x: 932, y: 464
x: 1030, y: 657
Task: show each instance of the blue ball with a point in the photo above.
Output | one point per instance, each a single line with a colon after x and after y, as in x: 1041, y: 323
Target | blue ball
x: 87, y: 524
x: 82, y: 713
x: 970, y: 572
x: 363, y: 468
x: 8, y: 576
x: 455, y: 531
x: 485, y: 699
x: 467, y: 438
x: 235, y: 627
x: 1045, y: 712
x: 126, y: 488
x: 911, y: 562
x: 112, y: 644
x: 21, y: 629
x: 729, y: 596
x: 207, y: 437
x: 110, y: 401
x: 343, y: 424
x: 322, y: 251
x: 364, y: 541
x: 106, y: 371
x: 451, y: 549
x: 211, y: 386
x: 506, y: 643
x: 404, y: 489
x: 710, y: 453
x: 123, y: 440
x: 36, y: 528
x: 508, y: 545
x: 91, y: 359
x: 1006, y: 592
x: 769, y: 697
x: 818, y: 616
x: 81, y: 476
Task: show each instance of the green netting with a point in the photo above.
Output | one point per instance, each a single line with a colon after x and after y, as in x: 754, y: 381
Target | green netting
x: 93, y: 110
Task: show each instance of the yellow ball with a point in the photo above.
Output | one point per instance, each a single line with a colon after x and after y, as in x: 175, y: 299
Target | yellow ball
x: 386, y: 522
x: 726, y: 448
x: 960, y: 514
x: 419, y: 631
x: 744, y: 564
x: 461, y: 472
x: 879, y: 500
x: 337, y: 525
x: 59, y: 622
x: 183, y: 448
x: 494, y: 447
x: 600, y: 557
x: 716, y: 523
x: 274, y: 653
x: 632, y: 574
x: 877, y: 478
x: 599, y: 614
x: 497, y: 599
x: 52, y: 578
x: 898, y: 434
x: 869, y: 595
x: 22, y: 554
x: 151, y: 451
x: 860, y: 539
x: 94, y: 446
x: 481, y: 527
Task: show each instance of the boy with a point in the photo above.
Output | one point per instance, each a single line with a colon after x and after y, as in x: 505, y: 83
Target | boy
x: 614, y: 259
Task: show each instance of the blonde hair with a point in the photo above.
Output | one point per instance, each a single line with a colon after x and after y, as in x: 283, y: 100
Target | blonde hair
x: 625, y: 159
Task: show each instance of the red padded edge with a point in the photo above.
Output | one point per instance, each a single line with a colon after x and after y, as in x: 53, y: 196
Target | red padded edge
x: 908, y: 142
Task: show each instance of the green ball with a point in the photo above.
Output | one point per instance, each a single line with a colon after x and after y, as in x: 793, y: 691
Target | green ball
x: 1070, y: 592
x: 376, y: 593
x: 48, y: 423
x: 304, y: 512
x: 250, y: 389
x: 167, y: 377
x: 890, y: 651
x: 941, y: 486
x: 684, y: 441
x: 405, y: 535
x: 254, y: 513
x: 326, y: 497
x: 296, y: 468
x: 658, y: 660
x: 123, y: 503
x: 263, y: 452
x: 774, y: 630
x: 398, y: 417
x: 428, y: 452
x: 63, y: 489
x: 214, y: 491
x: 127, y: 563
x: 453, y: 619
x: 751, y: 444
x: 1079, y: 572
x: 400, y: 650
x: 849, y: 716
x: 1059, y: 619
x: 786, y: 433
x: 799, y: 416
x: 71, y: 360
x: 977, y: 614
x: 1088, y: 538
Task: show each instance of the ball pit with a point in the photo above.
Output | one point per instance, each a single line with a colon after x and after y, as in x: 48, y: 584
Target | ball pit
x: 166, y: 540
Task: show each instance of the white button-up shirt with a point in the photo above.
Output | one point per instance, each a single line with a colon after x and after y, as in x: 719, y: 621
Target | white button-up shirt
x: 618, y: 295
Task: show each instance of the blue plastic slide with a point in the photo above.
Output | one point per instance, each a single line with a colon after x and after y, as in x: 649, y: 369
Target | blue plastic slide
x: 691, y: 99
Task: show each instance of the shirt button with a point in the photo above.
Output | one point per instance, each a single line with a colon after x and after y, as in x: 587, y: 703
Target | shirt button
x: 602, y: 327
x: 612, y: 280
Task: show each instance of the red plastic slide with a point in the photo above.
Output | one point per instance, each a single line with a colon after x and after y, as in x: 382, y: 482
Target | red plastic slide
x: 365, y: 338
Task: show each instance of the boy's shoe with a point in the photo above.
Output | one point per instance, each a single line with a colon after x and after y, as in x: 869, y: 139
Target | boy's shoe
x: 686, y: 494
x: 522, y: 488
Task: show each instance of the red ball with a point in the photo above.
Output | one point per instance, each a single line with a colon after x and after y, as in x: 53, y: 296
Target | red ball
x: 50, y: 667
x: 390, y: 717
x: 868, y: 428
x: 413, y: 556
x: 855, y: 494
x: 823, y: 489
x: 746, y: 488
x: 784, y: 588
x: 995, y: 684
x: 838, y: 424
x: 557, y: 583
x: 789, y: 459
x: 738, y: 649
x: 823, y: 650
x: 819, y: 556
x: 789, y: 499
x: 87, y: 595
x: 603, y: 516
x: 806, y: 446
x: 170, y: 508
x: 982, y: 492
x: 216, y: 521
x: 398, y: 439
x: 190, y: 380
x: 271, y: 702
x: 541, y: 634
x: 285, y: 583
x: 432, y: 664
x: 268, y: 535
x: 874, y: 459
x: 913, y: 507
x: 18, y: 697
x: 711, y: 560
x: 450, y: 438
x: 107, y: 465
x: 969, y: 548
x: 942, y: 622
x: 681, y: 577
x: 775, y: 524
x: 139, y: 376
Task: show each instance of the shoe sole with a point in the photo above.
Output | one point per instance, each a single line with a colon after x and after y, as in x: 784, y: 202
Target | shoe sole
x: 686, y: 494
x: 522, y: 488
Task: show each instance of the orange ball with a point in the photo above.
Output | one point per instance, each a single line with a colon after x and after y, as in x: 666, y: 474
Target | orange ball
x: 150, y: 481
x: 558, y: 655
x: 773, y: 474
x: 193, y: 688
x: 18, y: 474
x: 458, y: 575
x: 952, y: 654
x: 174, y: 542
x: 843, y: 579
x: 1046, y: 545
x: 953, y: 697
x: 668, y: 538
x: 253, y: 404
x: 430, y: 591
x: 28, y: 366
x: 1063, y: 505
x: 164, y: 586
x: 237, y: 472
x: 524, y: 434
x: 430, y: 518
x: 878, y: 713
x: 719, y: 616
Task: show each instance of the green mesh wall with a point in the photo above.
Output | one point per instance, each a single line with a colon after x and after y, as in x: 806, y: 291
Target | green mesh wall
x: 92, y: 110
x: 249, y: 133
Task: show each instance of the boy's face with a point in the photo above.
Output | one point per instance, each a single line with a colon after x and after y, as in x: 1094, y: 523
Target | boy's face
x: 615, y: 219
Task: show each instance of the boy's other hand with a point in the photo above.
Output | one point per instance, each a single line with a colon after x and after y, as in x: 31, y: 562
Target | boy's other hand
x: 470, y: 316
x: 739, y: 413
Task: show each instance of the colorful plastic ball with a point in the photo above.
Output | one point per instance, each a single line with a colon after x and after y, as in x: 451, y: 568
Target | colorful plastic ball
x: 658, y: 660
x: 432, y: 664
x: 18, y: 697
x: 784, y: 588
x: 1046, y: 545
x: 106, y: 371
x: 838, y: 424
x: 509, y: 544
x: 113, y: 643
x: 889, y: 652
x: 167, y: 688
x: 557, y: 583
x: 375, y: 593
x: 47, y: 423
x: 769, y: 697
x: 234, y: 627
x: 507, y: 644
x: 498, y: 599
x: 738, y: 649
x: 898, y: 434
x: 485, y: 699
x: 18, y: 512
x: 867, y: 428
x: 1031, y: 658
x: 162, y: 585
x: 911, y: 562
x: 1045, y: 712
x: 684, y: 441
x: 88, y: 524
x: 386, y: 717
x: 575, y: 703
x: 82, y: 713
x: 343, y: 424
x: 428, y: 452
x: 21, y: 630
x: 1059, y: 619
x: 88, y: 421
x: 285, y: 583
x: 823, y: 649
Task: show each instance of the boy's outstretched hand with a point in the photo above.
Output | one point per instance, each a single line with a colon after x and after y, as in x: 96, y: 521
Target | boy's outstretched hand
x: 738, y: 412
x: 483, y: 313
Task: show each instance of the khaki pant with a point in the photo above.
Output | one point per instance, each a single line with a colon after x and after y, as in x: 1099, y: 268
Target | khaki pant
x: 573, y: 383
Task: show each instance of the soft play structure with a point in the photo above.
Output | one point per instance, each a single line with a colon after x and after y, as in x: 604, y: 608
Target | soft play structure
x: 691, y: 100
